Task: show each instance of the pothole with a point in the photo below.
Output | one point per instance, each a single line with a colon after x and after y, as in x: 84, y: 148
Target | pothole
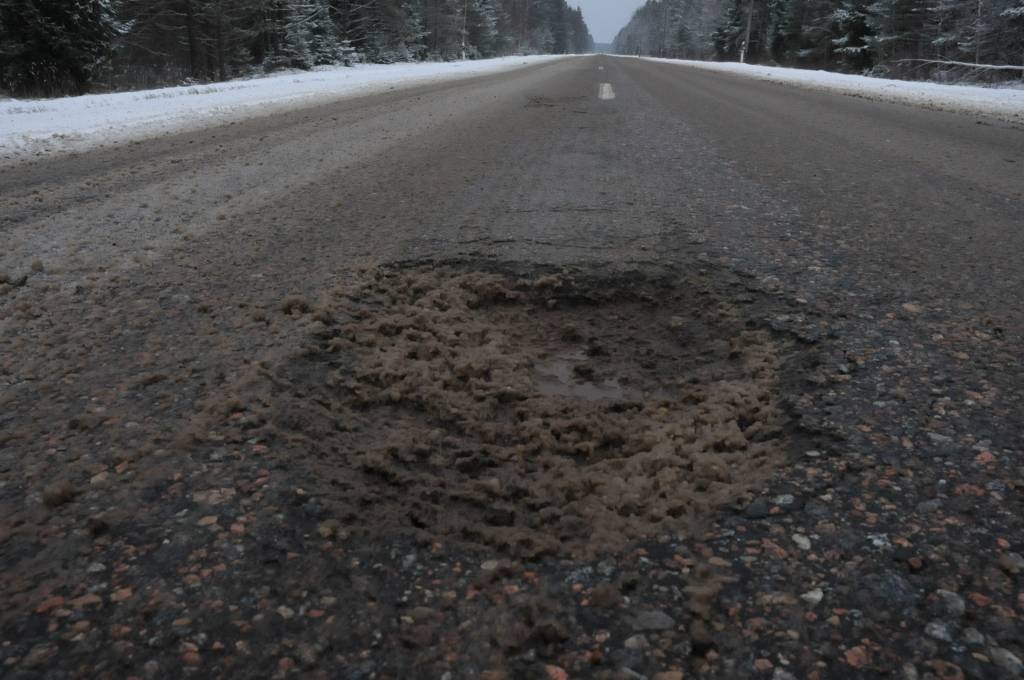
x: 560, y: 414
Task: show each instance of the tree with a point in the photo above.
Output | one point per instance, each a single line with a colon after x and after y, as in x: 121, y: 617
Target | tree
x: 310, y: 36
x: 899, y: 37
x: 852, y: 33
x: 59, y: 46
x: 54, y: 47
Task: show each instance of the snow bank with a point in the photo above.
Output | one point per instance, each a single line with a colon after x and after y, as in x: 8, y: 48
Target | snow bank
x: 1005, y: 103
x: 43, y: 126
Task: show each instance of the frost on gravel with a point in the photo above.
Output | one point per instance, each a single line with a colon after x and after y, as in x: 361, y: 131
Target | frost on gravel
x: 78, y: 123
x: 1005, y: 103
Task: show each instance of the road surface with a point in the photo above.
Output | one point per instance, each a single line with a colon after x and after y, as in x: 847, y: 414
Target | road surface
x: 180, y: 316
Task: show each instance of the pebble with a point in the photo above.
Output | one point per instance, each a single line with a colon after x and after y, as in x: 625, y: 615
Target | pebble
x: 636, y: 642
x: 802, y: 541
x: 49, y: 603
x: 945, y: 670
x: 556, y: 672
x: 856, y: 656
x: 952, y: 604
x: 939, y: 630
x: 973, y: 636
x: 328, y: 528
x: 653, y: 620
x: 668, y: 675
x: 58, y: 493
x: 86, y: 600
x: 1011, y: 563
x: 813, y: 597
x: 307, y: 653
x: 494, y: 675
x: 758, y: 509
x: 39, y: 655
x: 890, y: 589
x: 121, y: 595
x: 605, y: 595
x: 880, y: 541
x: 1006, y: 660
x: 422, y: 614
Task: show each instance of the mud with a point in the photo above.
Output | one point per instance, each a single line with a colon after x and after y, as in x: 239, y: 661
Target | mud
x: 554, y: 414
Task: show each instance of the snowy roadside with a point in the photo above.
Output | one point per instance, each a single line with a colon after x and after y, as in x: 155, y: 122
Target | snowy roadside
x: 47, y: 126
x: 1005, y: 103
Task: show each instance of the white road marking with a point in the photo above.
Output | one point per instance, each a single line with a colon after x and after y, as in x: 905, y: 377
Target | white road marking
x: 606, y: 91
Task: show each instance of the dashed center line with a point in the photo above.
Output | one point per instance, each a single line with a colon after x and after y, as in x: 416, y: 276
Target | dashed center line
x: 606, y: 91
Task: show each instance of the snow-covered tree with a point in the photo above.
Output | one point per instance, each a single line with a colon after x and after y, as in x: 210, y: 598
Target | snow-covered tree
x: 311, y: 37
x: 54, y: 47
x: 59, y: 46
x: 901, y: 37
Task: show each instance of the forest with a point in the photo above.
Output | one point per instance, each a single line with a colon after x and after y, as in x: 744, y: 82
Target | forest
x: 938, y: 39
x: 61, y: 47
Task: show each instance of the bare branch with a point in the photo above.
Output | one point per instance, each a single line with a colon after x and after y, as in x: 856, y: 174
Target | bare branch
x: 948, y: 62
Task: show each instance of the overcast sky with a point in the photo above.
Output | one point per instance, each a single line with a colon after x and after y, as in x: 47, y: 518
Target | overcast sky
x: 606, y: 17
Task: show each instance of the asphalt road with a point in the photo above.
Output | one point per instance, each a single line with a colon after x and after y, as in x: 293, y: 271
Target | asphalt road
x: 888, y: 237
x: 534, y: 164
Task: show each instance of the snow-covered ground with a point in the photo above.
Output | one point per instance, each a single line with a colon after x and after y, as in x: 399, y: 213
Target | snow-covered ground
x: 41, y: 126
x: 1005, y: 103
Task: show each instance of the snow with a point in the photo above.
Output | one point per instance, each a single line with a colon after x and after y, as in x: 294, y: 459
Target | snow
x: 47, y: 126
x: 1004, y: 103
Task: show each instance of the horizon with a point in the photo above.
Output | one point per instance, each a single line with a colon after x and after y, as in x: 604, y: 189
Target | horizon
x: 605, y: 18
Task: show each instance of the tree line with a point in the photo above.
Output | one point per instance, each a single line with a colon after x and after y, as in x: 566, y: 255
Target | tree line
x: 901, y: 38
x: 55, y: 47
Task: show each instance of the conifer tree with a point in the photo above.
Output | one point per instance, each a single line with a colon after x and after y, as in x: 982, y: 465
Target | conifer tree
x: 54, y: 47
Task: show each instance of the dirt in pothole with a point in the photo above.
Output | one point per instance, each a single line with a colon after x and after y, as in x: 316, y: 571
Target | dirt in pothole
x: 565, y: 414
